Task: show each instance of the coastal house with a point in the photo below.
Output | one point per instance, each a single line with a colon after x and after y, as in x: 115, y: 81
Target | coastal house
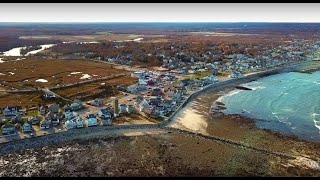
x: 27, y: 127
x: 106, y: 121
x: 42, y: 110
x: 210, y: 79
x: 70, y: 115
x: 130, y: 109
x: 132, y: 89
x: 70, y: 124
x: 55, y: 120
x: 79, y: 122
x: 123, y: 108
x: 54, y: 108
x: 156, y: 92
x: 152, y: 112
x: 139, y: 99
x: 178, y: 97
x: 144, y: 104
x: 168, y: 105
x: 106, y: 113
x: 45, y: 124
x: 235, y: 74
x: 169, y: 90
x: 34, y: 120
x: 10, y: 111
x: 96, y: 102
x: 76, y: 105
x: 141, y: 87
x: 16, y: 119
x: 135, y: 88
x: 91, y: 120
x: 138, y: 74
x: 151, y: 82
x: 143, y: 82
x: 8, y: 129
x: 154, y: 101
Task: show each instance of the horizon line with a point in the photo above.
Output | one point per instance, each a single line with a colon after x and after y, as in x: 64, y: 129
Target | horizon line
x: 159, y: 22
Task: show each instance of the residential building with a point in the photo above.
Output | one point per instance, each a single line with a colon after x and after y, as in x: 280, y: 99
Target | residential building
x: 35, y: 120
x: 42, y: 110
x: 27, y: 127
x: 96, y: 102
x: 70, y: 124
x: 8, y: 129
x: 130, y: 109
x: 54, y: 108
x: 91, y: 120
x: 105, y: 121
x: 106, y: 113
x: 79, y: 122
x: 123, y: 108
x: 45, y: 124
x: 76, y: 105
x: 16, y: 119
x: 10, y: 111
x: 70, y: 115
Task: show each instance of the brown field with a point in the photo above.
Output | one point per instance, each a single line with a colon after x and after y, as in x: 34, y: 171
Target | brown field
x: 94, y: 88
x: 20, y: 100
x: 57, y: 72
x: 90, y: 90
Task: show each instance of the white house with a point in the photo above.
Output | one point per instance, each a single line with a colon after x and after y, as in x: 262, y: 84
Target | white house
x: 79, y: 122
x: 10, y: 111
x: 27, y: 127
x: 91, y: 120
x: 70, y: 124
x: 70, y: 115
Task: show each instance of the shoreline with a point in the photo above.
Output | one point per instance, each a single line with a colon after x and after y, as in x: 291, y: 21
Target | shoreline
x: 218, y: 107
x: 56, y: 138
x: 195, y: 117
x: 221, y: 85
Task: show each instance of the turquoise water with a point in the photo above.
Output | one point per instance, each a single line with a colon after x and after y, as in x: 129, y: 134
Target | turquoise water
x: 288, y: 103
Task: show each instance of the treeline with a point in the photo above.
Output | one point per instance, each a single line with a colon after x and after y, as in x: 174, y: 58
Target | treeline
x: 153, y: 53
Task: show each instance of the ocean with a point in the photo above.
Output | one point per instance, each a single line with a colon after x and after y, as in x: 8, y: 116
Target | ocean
x: 288, y: 103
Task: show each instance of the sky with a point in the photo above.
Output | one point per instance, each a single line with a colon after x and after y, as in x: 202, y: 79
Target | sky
x: 159, y: 12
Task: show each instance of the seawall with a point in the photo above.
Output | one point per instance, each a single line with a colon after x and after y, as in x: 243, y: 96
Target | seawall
x: 66, y: 136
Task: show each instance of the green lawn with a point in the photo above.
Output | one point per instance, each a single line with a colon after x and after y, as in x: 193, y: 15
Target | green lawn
x: 200, y: 75
x: 32, y: 113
